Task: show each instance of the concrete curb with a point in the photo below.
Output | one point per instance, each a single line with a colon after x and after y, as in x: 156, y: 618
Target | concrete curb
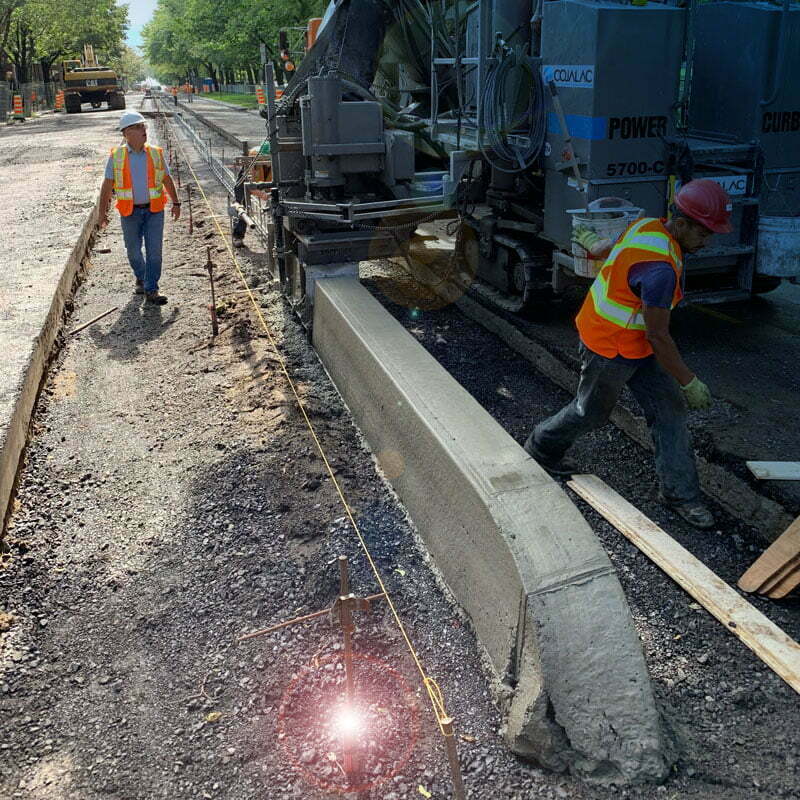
x: 540, y: 590
x: 14, y: 437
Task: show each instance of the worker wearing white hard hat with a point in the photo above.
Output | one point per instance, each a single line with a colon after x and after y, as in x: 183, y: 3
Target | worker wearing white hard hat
x: 130, y: 118
x: 138, y: 175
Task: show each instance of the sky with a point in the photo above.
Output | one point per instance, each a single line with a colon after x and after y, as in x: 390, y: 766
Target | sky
x: 139, y: 13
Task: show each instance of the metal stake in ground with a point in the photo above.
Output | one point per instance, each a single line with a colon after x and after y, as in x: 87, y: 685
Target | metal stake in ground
x: 446, y: 724
x: 344, y: 607
x: 178, y: 169
x: 188, y: 188
x: 210, y: 268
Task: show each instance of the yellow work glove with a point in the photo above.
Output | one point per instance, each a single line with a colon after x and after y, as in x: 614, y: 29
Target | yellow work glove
x: 590, y: 241
x: 697, y: 393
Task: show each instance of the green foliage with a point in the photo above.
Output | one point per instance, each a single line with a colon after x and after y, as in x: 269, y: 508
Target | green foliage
x: 201, y: 37
x: 245, y: 100
x: 130, y: 64
x: 46, y: 31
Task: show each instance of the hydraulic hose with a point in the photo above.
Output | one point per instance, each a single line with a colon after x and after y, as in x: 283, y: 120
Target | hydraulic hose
x: 499, y: 118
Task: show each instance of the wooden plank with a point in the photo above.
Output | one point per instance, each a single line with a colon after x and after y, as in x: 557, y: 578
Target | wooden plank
x: 762, y: 636
x: 772, y: 561
x: 786, y: 585
x: 780, y: 576
x: 775, y: 470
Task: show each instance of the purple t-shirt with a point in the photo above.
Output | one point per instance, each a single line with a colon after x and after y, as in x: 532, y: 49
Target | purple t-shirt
x: 653, y: 282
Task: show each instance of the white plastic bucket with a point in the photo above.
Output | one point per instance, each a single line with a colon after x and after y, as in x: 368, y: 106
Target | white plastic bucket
x: 607, y: 225
x: 778, y: 246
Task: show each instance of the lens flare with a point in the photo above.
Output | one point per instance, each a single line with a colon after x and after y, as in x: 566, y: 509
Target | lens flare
x: 348, y: 722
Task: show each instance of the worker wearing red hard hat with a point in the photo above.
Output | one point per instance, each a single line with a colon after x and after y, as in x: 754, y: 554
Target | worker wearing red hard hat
x: 624, y: 331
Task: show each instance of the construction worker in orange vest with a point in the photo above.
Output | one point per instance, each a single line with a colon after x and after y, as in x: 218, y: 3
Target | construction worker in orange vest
x: 625, y: 339
x: 138, y: 175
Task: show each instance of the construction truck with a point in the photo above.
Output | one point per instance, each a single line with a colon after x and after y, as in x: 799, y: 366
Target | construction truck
x: 86, y: 81
x: 527, y: 119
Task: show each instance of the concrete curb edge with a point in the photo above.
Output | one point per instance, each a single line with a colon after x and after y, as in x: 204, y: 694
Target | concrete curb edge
x: 515, y: 552
x: 16, y: 434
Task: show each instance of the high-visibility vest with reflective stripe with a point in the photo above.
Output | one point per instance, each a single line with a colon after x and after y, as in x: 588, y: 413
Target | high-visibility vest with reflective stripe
x: 610, y: 321
x: 123, y: 185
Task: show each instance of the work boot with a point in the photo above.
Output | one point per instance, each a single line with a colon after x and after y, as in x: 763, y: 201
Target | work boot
x: 696, y: 513
x: 155, y: 299
x: 238, y: 241
x: 555, y: 466
x: 139, y: 287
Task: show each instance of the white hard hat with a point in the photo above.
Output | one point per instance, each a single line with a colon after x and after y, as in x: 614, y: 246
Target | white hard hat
x: 130, y: 118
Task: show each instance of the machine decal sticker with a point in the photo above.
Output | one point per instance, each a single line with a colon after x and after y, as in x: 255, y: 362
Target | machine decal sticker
x: 733, y: 184
x: 620, y: 168
x: 579, y: 127
x: 780, y: 122
x: 652, y: 127
x: 576, y: 77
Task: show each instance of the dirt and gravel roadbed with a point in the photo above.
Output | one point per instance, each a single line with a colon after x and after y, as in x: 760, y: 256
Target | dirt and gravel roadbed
x: 171, y: 500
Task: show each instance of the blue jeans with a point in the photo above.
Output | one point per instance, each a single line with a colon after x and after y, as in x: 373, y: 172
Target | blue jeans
x: 143, y: 225
x: 664, y: 408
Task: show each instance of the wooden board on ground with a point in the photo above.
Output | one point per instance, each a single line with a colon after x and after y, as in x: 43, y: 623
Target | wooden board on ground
x: 771, y: 566
x: 775, y: 470
x: 761, y: 635
x: 786, y: 585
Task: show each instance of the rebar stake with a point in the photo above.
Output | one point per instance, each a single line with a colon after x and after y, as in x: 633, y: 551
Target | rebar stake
x: 342, y: 610
x: 210, y: 268
x: 178, y: 169
x: 188, y: 188
x: 446, y: 724
x: 346, y: 602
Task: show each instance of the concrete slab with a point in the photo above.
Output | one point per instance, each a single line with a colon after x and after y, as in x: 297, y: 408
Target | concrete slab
x: 50, y: 170
x: 541, y: 593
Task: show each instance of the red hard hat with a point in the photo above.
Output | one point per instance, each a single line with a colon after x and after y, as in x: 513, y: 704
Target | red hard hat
x: 706, y: 202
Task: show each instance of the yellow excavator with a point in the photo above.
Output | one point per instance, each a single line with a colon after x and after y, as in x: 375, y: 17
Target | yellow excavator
x: 85, y: 81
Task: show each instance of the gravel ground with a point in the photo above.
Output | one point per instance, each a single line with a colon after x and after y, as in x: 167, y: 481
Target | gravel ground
x: 172, y: 499
x: 736, y: 721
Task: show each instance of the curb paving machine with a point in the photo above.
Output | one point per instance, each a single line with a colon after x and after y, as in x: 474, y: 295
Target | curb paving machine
x: 86, y: 81
x: 525, y: 119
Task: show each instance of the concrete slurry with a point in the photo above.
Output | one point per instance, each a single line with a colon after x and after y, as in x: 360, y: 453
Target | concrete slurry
x: 51, y: 169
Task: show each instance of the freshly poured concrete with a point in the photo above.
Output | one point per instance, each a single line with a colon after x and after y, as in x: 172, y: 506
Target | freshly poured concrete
x: 56, y: 164
x: 542, y: 594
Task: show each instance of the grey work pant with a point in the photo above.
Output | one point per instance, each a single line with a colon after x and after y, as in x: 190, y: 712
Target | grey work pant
x: 664, y: 408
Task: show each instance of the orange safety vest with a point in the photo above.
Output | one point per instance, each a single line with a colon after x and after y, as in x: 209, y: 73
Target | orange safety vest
x: 610, y: 321
x: 123, y: 185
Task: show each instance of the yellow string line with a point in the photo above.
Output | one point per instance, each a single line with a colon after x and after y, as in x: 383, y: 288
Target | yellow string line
x: 434, y: 692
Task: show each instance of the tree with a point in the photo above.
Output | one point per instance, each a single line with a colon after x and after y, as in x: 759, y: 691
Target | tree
x: 220, y: 37
x: 130, y: 65
x: 42, y: 31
